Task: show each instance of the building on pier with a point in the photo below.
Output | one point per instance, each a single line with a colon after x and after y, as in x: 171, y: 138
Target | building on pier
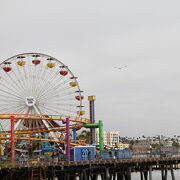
x: 111, y: 138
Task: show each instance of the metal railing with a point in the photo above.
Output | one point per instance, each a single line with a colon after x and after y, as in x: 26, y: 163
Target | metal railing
x: 46, y: 160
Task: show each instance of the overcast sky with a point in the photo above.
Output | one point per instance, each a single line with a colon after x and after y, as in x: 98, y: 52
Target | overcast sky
x: 93, y: 36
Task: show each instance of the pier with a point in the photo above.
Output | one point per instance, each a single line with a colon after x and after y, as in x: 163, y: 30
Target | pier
x: 110, y: 169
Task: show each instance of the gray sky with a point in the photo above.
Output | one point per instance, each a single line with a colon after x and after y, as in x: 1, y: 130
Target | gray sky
x: 92, y: 37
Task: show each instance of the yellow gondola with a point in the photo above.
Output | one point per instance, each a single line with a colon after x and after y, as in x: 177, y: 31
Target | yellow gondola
x: 51, y: 65
x: 73, y: 84
x: 21, y: 63
x: 81, y: 113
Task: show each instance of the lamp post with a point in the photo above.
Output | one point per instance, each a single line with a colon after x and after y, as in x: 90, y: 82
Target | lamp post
x: 150, y: 150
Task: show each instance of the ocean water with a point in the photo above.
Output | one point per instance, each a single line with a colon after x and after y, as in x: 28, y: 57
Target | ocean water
x: 156, y: 175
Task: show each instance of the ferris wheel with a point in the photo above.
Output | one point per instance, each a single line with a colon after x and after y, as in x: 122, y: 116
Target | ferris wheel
x: 34, y: 83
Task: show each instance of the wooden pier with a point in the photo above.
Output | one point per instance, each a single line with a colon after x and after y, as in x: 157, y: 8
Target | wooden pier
x: 110, y: 169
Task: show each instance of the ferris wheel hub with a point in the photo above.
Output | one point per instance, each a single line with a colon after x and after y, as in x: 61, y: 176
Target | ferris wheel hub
x: 30, y: 101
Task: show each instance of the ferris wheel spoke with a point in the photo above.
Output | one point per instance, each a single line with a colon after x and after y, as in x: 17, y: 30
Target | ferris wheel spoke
x: 47, y: 77
x: 30, y: 75
x: 14, y: 83
x: 56, y: 91
x: 35, y: 82
x: 26, y: 122
x: 8, y: 100
x: 11, y: 83
x: 40, y: 124
x: 51, y: 107
x: 61, y: 95
x: 52, y: 80
x: 38, y: 80
x: 20, y: 122
x: 24, y: 77
x: 32, y: 82
x: 62, y: 104
x: 42, y: 76
x: 59, y: 103
x: 10, y: 89
x: 38, y: 111
x: 11, y: 104
x: 18, y: 80
x: 19, y: 111
x: 8, y: 93
x: 14, y: 109
x: 68, y: 99
x: 55, y: 87
x: 41, y: 70
x: 45, y: 109
x: 66, y: 108
x: 48, y: 84
x: 57, y: 96
x: 44, y: 80
x: 36, y: 124
x: 11, y: 98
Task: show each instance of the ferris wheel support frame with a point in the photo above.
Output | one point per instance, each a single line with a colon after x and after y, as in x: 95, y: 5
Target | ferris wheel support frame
x: 38, y: 112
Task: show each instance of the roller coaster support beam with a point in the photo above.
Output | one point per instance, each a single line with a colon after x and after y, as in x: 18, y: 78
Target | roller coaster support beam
x: 74, y: 135
x: 100, y: 126
x: 101, y: 139
x: 92, y: 117
x: 67, y: 139
x: 13, y: 139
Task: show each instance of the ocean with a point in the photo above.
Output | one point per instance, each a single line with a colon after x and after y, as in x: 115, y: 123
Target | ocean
x: 156, y: 175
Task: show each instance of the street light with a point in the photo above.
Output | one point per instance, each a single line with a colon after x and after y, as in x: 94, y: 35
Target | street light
x: 150, y: 149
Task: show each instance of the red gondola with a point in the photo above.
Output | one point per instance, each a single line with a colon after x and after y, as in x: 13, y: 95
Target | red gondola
x: 63, y: 73
x: 7, y: 69
x: 79, y: 98
x: 36, y: 62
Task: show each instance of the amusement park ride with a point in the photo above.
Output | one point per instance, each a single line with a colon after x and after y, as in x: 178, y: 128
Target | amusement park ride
x: 41, y: 101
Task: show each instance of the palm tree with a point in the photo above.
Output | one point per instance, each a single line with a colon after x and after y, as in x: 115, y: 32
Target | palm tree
x: 84, y: 135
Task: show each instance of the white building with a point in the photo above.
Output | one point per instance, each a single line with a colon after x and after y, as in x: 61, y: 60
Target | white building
x: 123, y: 146
x: 111, y: 138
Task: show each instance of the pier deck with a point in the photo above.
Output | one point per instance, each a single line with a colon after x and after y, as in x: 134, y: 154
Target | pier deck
x: 108, y: 169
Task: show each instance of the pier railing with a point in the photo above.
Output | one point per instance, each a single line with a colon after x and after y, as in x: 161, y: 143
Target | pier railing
x: 5, y: 162
x: 50, y: 168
